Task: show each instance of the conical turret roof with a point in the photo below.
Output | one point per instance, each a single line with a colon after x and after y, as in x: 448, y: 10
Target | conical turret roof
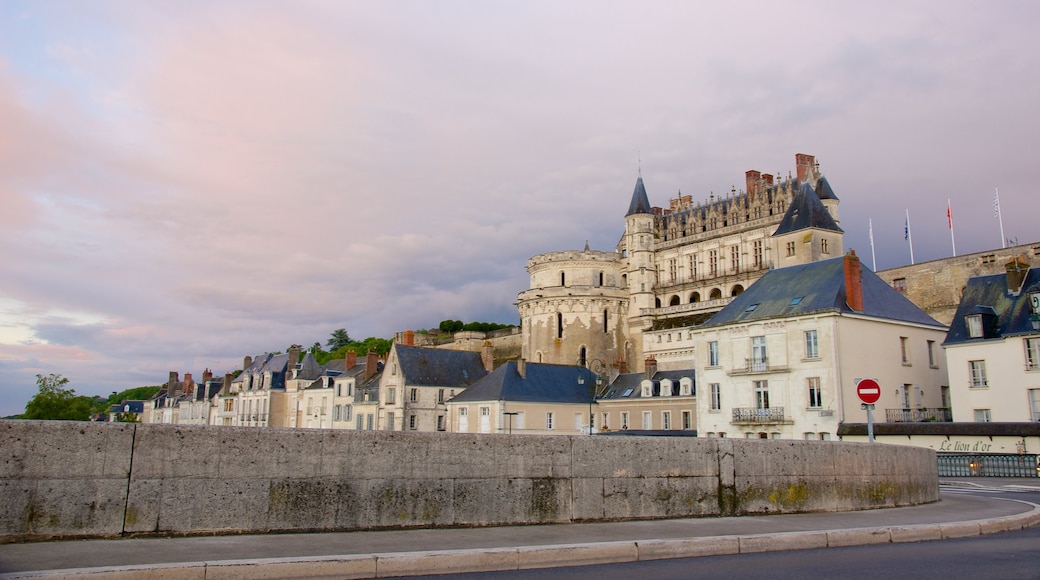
x: 640, y: 203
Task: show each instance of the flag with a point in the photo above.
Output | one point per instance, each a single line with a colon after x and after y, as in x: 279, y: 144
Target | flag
x: 949, y: 214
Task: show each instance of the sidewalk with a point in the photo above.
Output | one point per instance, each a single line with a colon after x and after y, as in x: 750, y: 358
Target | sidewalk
x: 408, y: 552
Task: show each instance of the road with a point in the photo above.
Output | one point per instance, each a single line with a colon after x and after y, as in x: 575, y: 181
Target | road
x: 1007, y: 556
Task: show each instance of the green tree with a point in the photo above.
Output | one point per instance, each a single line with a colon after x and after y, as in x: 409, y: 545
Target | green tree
x: 339, y: 338
x: 53, y: 400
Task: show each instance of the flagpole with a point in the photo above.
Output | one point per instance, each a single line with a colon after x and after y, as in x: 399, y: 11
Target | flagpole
x: 909, y: 238
x: 870, y: 223
x: 996, y: 210
x: 949, y: 217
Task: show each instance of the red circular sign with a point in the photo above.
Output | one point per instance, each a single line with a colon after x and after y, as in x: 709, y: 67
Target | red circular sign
x: 869, y: 391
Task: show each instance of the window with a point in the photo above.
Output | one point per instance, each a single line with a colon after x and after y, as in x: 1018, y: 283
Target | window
x: 559, y: 325
x: 824, y: 247
x: 412, y: 422
x: 982, y: 416
x: 713, y: 263
x: 974, y: 323
x: 1034, y: 404
x: 624, y: 419
x: 413, y: 395
x: 734, y: 258
x: 349, y: 413
x: 666, y: 388
x: 687, y: 420
x: 390, y: 421
x: 931, y: 354
x: 440, y: 422
x: 812, y: 344
x: 716, y: 396
x: 1032, y: 354
x: 605, y: 321
x: 666, y: 420
x: 694, y: 270
x: 440, y: 396
x: 977, y: 374
x: 713, y: 353
x: 899, y: 284
x: 758, y: 353
x: 790, y: 248
x: 368, y: 421
x: 756, y: 253
x: 815, y: 393
x: 360, y: 422
x: 761, y: 394
x: 549, y: 420
x: 391, y: 395
x: 904, y: 349
x: 648, y: 421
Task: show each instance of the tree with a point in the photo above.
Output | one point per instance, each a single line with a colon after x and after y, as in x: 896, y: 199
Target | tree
x: 53, y: 400
x: 339, y: 339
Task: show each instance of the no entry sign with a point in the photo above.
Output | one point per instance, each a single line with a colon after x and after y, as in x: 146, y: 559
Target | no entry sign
x: 869, y: 391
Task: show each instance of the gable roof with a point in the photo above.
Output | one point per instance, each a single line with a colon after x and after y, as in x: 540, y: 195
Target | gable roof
x: 816, y: 287
x: 542, y: 383
x: 640, y: 203
x: 434, y: 367
x: 806, y: 211
x: 989, y: 296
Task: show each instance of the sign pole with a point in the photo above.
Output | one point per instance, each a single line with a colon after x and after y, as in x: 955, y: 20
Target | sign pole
x: 869, y: 392
x: 870, y: 422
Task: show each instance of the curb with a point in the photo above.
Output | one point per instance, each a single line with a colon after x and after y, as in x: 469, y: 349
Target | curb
x: 385, y: 565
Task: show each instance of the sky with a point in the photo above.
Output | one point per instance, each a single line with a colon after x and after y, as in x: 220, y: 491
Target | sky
x: 186, y: 183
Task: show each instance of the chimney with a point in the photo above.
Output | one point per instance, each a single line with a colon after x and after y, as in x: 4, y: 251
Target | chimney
x: 173, y: 384
x: 1017, y: 268
x: 651, y: 366
x: 767, y: 178
x: 487, y: 356
x: 853, y: 282
x: 246, y: 362
x: 409, y: 338
x: 294, y: 358
x: 207, y: 375
x: 189, y: 385
x: 521, y: 368
x: 754, y: 181
x: 806, y: 164
x: 371, y: 364
x: 226, y: 389
x: 351, y: 361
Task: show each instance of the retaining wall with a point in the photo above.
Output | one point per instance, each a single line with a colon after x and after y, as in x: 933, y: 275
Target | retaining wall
x: 68, y: 479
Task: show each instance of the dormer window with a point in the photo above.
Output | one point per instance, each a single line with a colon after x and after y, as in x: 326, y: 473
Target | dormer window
x: 974, y: 323
x: 648, y: 389
x: 666, y: 388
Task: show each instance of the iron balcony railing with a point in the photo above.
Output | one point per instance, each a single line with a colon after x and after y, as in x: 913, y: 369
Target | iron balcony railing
x: 754, y: 415
x: 758, y: 365
x: 987, y: 465
x: 937, y: 415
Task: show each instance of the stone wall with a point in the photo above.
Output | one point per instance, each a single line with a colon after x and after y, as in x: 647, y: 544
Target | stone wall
x: 64, y: 479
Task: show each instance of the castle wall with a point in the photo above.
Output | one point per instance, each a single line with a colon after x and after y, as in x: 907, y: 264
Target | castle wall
x: 71, y: 479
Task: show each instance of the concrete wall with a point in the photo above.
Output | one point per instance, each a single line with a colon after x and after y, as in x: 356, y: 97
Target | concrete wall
x: 63, y: 479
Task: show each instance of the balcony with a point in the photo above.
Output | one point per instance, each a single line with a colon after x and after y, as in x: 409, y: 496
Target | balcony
x: 937, y: 415
x: 754, y: 366
x: 755, y: 416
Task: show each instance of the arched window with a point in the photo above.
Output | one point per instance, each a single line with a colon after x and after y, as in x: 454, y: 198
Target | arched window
x: 604, y: 321
x: 695, y: 297
x: 563, y: 278
x: 736, y: 290
x: 582, y: 357
x: 559, y: 325
x: 715, y: 294
x: 674, y: 301
x: 657, y: 302
x: 600, y: 279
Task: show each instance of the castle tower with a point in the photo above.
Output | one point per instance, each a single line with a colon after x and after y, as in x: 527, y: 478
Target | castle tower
x: 640, y: 269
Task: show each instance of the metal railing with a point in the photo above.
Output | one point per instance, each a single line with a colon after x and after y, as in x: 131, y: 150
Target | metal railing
x: 754, y: 415
x: 937, y: 415
x: 987, y: 465
x: 758, y: 365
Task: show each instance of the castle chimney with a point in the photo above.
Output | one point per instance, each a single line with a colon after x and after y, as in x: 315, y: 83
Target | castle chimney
x: 174, y: 383
x: 806, y: 165
x: 1016, y: 268
x: 371, y: 364
x: 206, y: 375
x: 246, y: 362
x: 754, y: 181
x: 487, y: 356
x: 853, y: 282
x: 767, y: 178
x: 351, y: 361
x: 189, y: 385
x: 651, y: 366
x: 521, y: 368
x: 294, y: 359
x: 409, y: 338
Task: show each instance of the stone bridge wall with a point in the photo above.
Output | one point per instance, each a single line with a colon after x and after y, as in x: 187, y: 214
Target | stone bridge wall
x: 70, y: 479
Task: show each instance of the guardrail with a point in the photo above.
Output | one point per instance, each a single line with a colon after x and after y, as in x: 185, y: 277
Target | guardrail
x: 987, y: 465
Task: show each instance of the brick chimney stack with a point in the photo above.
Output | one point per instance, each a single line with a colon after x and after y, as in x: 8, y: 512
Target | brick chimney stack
x: 806, y: 166
x: 248, y: 360
x: 173, y: 384
x: 409, y: 338
x: 351, y: 361
x: 651, y: 366
x: 207, y: 375
x: 754, y: 181
x: 226, y: 389
x: 487, y: 356
x: 853, y: 282
x: 371, y: 364
x: 189, y: 385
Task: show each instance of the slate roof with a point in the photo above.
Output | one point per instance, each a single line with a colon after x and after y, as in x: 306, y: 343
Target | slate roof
x: 806, y: 211
x: 823, y: 189
x: 817, y: 287
x: 640, y: 203
x: 309, y: 367
x: 629, y: 385
x: 989, y: 296
x: 434, y: 367
x: 543, y: 383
